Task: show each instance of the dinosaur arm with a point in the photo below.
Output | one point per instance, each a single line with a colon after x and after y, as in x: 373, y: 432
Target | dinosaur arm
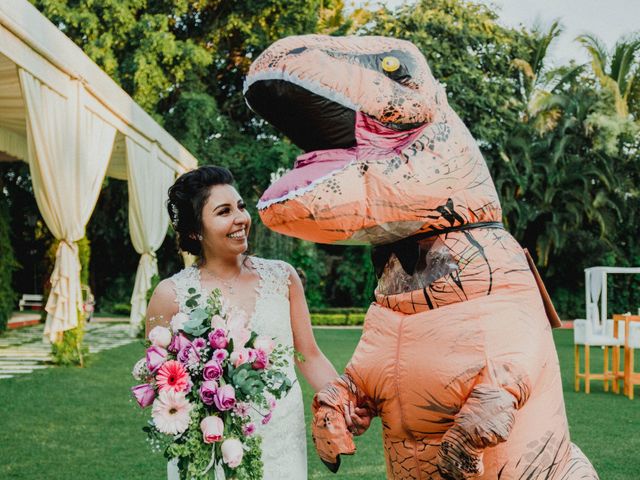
x: 331, y: 434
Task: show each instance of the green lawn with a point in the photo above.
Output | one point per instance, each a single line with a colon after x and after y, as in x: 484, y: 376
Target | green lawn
x: 67, y: 423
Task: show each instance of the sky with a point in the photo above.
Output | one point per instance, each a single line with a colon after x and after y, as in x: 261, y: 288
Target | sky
x: 607, y: 19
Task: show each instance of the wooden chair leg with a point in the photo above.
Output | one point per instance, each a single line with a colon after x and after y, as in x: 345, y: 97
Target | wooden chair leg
x: 631, y: 384
x: 627, y: 372
x: 587, y: 370
x: 616, y: 369
x: 606, y: 373
x: 576, y: 366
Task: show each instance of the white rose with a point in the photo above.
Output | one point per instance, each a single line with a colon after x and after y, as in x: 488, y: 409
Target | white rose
x: 232, y: 452
x: 160, y: 336
x: 178, y: 321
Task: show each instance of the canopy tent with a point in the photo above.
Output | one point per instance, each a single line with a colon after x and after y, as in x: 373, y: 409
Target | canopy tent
x: 596, y: 292
x: 73, y: 125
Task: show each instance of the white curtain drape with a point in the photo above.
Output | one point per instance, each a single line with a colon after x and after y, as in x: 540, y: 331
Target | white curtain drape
x: 149, y: 180
x: 595, y: 290
x: 69, y: 148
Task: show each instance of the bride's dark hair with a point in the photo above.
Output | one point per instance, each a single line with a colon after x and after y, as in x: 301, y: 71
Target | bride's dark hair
x: 187, y: 197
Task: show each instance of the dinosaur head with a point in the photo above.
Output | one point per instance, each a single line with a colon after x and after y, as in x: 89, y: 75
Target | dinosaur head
x: 310, y: 87
x: 368, y: 113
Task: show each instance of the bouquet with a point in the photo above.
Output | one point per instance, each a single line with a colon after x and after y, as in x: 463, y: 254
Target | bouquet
x: 210, y: 382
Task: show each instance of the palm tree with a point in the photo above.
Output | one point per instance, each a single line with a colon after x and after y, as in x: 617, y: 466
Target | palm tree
x: 617, y: 71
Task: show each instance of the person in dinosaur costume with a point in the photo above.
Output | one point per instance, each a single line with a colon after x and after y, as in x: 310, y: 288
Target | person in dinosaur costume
x: 456, y: 354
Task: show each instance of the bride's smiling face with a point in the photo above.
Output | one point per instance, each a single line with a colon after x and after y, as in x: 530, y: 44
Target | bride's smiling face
x: 225, y: 222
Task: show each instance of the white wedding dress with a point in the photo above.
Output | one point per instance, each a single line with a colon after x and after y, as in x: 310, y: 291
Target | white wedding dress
x: 284, y: 442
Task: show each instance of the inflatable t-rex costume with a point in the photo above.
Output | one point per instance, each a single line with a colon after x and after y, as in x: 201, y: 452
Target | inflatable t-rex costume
x: 456, y: 356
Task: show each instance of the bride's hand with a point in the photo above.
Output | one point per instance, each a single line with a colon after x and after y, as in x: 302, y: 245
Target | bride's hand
x: 357, y: 419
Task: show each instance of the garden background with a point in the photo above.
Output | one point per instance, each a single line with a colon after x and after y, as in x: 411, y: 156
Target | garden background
x: 562, y: 143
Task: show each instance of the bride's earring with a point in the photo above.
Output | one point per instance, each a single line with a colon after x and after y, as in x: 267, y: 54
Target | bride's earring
x: 199, y: 237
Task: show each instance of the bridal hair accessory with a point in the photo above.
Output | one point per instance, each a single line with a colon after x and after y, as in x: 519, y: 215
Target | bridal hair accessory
x: 174, y: 216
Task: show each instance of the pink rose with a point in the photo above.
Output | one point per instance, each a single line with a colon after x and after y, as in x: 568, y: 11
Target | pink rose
x: 178, y: 321
x: 232, y: 452
x: 188, y: 355
x: 262, y: 360
x: 199, y: 343
x: 218, y: 338
x: 208, y: 392
x: 212, y: 370
x: 249, y: 429
x: 178, y: 342
x: 144, y: 394
x: 238, y: 357
x: 225, y: 398
x: 264, y: 343
x: 156, y: 356
x: 160, y: 336
x: 220, y: 355
x: 212, y: 429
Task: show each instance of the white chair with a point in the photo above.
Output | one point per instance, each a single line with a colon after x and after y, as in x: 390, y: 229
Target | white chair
x: 588, y: 334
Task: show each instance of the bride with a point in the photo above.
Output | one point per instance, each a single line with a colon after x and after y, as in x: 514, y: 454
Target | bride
x: 212, y: 223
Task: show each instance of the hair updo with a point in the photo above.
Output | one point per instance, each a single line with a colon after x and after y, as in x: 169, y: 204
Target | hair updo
x: 187, y: 197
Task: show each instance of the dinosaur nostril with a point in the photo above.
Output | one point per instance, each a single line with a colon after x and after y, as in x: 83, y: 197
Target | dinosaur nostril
x: 296, y: 51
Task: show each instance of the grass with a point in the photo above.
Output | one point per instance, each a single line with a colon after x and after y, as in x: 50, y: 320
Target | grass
x: 79, y: 424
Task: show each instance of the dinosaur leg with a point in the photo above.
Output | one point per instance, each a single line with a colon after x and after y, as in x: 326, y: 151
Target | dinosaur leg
x: 330, y: 433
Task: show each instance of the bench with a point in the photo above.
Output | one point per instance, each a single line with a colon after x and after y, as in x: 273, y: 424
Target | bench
x: 32, y: 301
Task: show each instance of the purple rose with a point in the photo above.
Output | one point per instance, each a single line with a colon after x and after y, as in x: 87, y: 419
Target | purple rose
x: 218, y: 339
x: 220, y: 355
x: 156, y: 356
x: 212, y: 370
x: 178, y: 342
x: 262, y: 360
x: 225, y: 398
x: 188, y: 355
x: 144, y: 394
x: 199, y: 343
x: 208, y: 392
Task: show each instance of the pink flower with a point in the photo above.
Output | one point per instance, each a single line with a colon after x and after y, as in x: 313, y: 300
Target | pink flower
x: 144, y: 394
x: 199, y: 343
x: 262, y: 360
x: 160, y: 336
x: 212, y: 429
x: 238, y: 357
x: 267, y: 418
x: 188, y: 355
x: 232, y: 452
x: 225, y: 398
x: 220, y: 355
x: 156, y: 356
x: 249, y: 429
x: 178, y: 342
x: 171, y: 412
x: 208, y: 391
x: 264, y: 343
x: 212, y: 370
x: 172, y: 376
x: 242, y: 409
x: 218, y: 338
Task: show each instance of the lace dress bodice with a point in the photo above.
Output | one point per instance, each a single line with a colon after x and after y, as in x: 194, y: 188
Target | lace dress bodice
x: 283, y: 438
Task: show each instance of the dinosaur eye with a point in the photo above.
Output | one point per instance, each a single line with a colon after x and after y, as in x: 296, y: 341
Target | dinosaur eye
x: 390, y: 64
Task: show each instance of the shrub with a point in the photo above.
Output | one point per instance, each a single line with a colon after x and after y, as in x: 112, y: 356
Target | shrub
x: 9, y: 264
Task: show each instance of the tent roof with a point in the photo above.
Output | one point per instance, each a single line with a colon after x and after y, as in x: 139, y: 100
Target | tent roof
x: 30, y: 41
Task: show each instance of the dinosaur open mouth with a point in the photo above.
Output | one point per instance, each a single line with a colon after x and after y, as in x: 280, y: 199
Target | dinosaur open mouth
x: 312, y: 121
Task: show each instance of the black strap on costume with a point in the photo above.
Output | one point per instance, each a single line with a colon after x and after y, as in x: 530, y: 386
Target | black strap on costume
x: 407, y: 250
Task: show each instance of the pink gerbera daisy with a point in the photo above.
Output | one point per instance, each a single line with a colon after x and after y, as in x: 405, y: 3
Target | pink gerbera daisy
x: 172, y: 376
x: 171, y: 412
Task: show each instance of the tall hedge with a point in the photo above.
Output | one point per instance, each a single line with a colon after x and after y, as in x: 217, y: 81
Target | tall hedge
x: 9, y: 264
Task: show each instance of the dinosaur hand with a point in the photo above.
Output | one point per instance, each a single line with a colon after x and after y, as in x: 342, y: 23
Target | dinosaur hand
x: 457, y: 460
x: 331, y: 435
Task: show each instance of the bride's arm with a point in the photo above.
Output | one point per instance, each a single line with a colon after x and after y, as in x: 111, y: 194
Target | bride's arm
x: 315, y: 367
x: 162, y: 306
